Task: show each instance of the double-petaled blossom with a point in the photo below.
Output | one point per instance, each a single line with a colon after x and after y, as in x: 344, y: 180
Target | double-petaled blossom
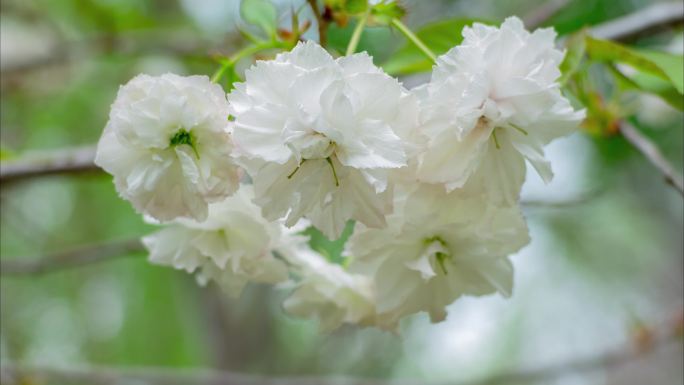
x: 320, y: 136
x: 168, y: 146
x: 493, y: 102
x: 233, y: 246
x: 331, y: 295
x: 438, y: 247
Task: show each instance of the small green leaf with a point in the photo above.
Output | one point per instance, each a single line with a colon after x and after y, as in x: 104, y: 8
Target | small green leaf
x: 439, y: 37
x: 672, y: 65
x: 261, y: 13
x: 331, y: 249
x: 576, y: 47
x: 644, y: 82
x: 6, y: 153
x: 662, y: 65
x: 384, y: 12
x: 356, y: 6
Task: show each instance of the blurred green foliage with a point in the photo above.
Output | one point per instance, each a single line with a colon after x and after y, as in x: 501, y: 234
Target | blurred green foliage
x: 128, y: 312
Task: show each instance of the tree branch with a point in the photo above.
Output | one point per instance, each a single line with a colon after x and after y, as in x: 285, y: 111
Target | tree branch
x: 653, y: 155
x: 67, y: 161
x: 15, y: 373
x: 636, y: 23
x: 544, y: 12
x: 321, y: 22
x: 72, y: 258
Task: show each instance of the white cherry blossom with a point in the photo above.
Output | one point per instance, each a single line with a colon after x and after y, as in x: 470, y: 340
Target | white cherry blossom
x: 233, y: 246
x: 168, y: 146
x: 331, y: 295
x: 438, y: 247
x: 493, y: 102
x: 320, y: 136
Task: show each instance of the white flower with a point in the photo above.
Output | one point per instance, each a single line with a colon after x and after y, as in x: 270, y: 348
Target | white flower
x: 168, y: 146
x: 493, y: 102
x: 332, y: 296
x: 233, y: 246
x: 438, y: 247
x: 319, y: 136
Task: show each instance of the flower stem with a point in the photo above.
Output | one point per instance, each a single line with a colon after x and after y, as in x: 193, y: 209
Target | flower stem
x: 221, y: 71
x: 243, y: 53
x: 296, y: 169
x: 414, y: 39
x: 356, y: 36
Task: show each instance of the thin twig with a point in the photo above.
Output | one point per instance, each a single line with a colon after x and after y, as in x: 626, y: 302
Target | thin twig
x: 653, y: 154
x: 641, y: 21
x: 543, y: 13
x: 67, y: 161
x: 64, y: 52
x: 580, y: 199
x: 321, y: 22
x: 68, y: 259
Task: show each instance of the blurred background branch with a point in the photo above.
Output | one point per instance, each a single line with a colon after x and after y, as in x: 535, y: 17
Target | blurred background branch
x: 644, y: 145
x: 656, y: 16
x: 644, y: 342
x: 65, y: 161
x: 69, y: 259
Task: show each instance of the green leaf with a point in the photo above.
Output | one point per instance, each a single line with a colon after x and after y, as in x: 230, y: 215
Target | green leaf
x: 576, y: 47
x: 6, y: 153
x: 356, y: 6
x: 331, y: 249
x: 644, y: 82
x: 384, y: 12
x: 672, y: 65
x: 662, y: 65
x: 261, y: 13
x: 439, y: 37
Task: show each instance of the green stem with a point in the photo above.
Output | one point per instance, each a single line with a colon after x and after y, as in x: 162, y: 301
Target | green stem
x: 296, y: 169
x: 356, y: 36
x: 414, y: 39
x: 221, y: 71
x: 243, y: 53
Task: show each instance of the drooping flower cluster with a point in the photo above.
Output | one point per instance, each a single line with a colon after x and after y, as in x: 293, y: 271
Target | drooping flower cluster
x: 431, y: 176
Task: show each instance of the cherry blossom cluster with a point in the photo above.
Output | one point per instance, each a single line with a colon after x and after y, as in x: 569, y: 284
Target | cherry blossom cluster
x: 431, y: 177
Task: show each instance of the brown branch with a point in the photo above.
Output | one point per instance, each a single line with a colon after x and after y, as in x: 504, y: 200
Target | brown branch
x: 67, y: 161
x: 72, y: 258
x: 131, y: 44
x: 15, y: 373
x: 544, y: 12
x: 653, y: 155
x: 644, y: 20
x: 580, y: 199
x: 321, y: 22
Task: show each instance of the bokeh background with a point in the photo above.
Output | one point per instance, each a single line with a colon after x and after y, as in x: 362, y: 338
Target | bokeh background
x: 603, y: 271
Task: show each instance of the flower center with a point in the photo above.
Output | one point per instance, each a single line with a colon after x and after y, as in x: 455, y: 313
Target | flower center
x: 312, y: 146
x: 181, y: 137
x: 436, y: 247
